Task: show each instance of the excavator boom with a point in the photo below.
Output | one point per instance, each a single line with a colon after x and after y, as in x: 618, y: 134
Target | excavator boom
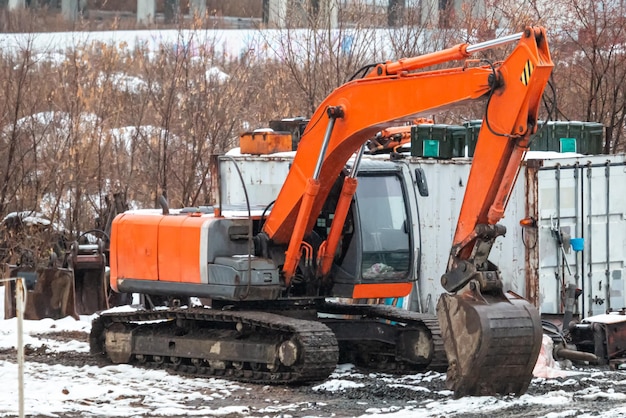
x: 491, y: 328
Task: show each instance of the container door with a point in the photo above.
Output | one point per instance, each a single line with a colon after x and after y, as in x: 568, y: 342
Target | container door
x: 581, y: 235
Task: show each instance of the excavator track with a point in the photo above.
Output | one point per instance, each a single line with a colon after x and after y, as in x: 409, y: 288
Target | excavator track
x: 262, y: 347
x: 417, y: 333
x: 243, y: 345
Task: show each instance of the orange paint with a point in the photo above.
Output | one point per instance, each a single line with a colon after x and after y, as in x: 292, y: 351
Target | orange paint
x: 381, y: 290
x: 179, y: 248
x: 156, y: 247
x: 134, y: 247
x: 265, y: 142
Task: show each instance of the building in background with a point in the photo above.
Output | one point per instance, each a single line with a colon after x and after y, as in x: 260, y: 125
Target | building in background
x: 433, y: 13
x: 270, y: 13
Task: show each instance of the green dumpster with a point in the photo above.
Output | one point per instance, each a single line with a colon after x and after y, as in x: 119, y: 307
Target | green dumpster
x: 571, y: 136
x: 438, y: 141
x: 593, y: 138
x: 473, y: 129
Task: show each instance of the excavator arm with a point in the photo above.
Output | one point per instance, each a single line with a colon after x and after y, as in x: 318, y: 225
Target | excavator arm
x: 480, y: 325
x: 391, y: 94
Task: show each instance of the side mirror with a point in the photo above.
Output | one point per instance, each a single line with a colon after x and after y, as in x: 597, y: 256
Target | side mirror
x: 420, y: 179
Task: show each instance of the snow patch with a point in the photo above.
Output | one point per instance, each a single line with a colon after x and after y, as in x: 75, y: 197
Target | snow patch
x: 336, y: 385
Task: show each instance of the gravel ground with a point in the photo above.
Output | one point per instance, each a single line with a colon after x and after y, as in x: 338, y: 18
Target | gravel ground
x: 350, y: 392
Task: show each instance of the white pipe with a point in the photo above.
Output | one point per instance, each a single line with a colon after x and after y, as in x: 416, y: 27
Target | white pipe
x: 20, y: 302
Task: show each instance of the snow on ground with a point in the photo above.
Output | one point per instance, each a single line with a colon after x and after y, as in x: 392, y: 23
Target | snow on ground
x: 58, y: 390
x: 114, y: 391
x: 35, y: 334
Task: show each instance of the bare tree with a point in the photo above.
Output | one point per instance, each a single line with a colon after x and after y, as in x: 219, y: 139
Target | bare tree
x: 20, y: 97
x: 212, y: 107
x: 592, y: 70
x: 318, y: 58
x: 107, y: 120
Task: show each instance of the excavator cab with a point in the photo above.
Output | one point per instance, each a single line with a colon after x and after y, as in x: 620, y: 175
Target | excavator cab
x: 377, y: 240
x: 384, y: 224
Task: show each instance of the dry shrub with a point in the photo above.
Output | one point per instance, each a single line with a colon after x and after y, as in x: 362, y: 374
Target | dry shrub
x: 104, y: 120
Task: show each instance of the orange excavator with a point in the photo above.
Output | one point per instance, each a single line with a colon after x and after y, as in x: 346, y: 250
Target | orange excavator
x: 277, y: 280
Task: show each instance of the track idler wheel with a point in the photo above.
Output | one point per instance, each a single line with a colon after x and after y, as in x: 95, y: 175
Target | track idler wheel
x: 492, y: 341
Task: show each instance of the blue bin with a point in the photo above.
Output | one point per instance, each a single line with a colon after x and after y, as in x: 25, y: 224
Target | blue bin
x: 578, y: 244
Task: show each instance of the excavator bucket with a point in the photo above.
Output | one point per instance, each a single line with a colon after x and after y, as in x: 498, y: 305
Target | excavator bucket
x: 56, y: 292
x: 50, y: 293
x: 88, y: 263
x: 491, y: 341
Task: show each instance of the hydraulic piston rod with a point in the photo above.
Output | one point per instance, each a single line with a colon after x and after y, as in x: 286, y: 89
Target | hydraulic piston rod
x: 292, y: 256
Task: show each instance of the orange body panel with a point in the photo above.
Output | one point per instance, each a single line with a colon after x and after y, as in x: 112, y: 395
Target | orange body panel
x: 156, y: 247
x: 134, y: 247
x: 179, y: 248
x: 265, y: 142
x: 381, y: 290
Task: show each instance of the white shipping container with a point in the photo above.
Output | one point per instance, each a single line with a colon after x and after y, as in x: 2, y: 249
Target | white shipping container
x: 579, y: 198
x: 568, y: 197
x: 576, y: 197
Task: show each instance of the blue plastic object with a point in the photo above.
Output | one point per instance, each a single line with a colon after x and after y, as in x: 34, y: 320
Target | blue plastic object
x: 578, y: 244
